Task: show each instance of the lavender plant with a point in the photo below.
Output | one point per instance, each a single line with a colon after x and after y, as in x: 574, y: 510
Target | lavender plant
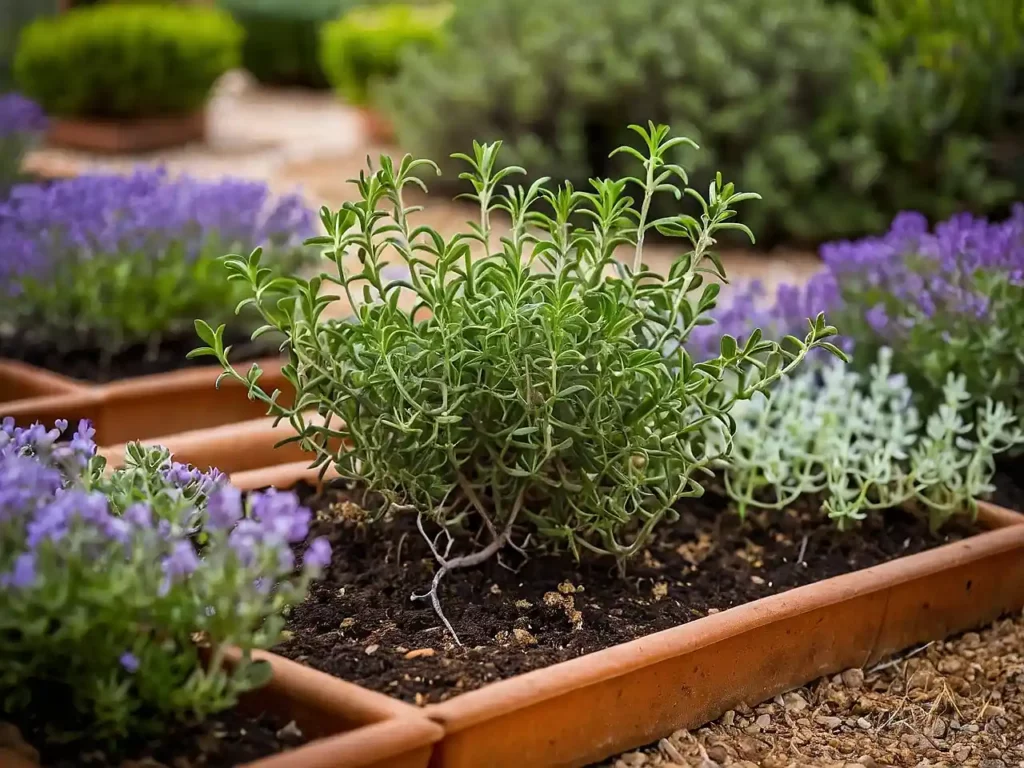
x: 107, y: 580
x: 858, y: 442
x: 948, y: 301
x: 527, y: 386
x: 21, y: 123
x: 105, y: 262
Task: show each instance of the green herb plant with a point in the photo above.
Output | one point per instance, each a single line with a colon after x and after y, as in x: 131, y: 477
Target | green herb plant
x: 857, y: 441
x: 527, y: 385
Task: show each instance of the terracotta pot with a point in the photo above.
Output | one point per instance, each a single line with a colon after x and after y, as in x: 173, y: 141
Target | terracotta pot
x: 11, y: 759
x: 19, y: 381
x: 351, y: 727
x: 280, y: 476
x: 377, y: 128
x: 143, y: 407
x: 231, y: 448
x: 354, y: 727
x: 127, y: 136
x: 589, y: 708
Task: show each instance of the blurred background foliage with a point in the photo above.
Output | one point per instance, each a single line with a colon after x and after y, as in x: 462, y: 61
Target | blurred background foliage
x: 840, y: 112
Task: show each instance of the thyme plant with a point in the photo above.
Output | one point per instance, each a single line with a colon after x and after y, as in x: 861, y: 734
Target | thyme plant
x: 858, y: 441
x: 528, y: 385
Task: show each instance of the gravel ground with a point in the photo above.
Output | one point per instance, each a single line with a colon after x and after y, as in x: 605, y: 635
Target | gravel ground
x: 944, y: 705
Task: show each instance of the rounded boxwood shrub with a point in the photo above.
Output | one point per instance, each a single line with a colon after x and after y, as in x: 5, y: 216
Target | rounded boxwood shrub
x: 126, y: 61
x: 366, y: 45
x: 282, y: 38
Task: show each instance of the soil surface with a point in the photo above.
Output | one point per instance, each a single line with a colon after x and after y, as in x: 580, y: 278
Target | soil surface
x: 953, y: 704
x: 228, y: 739
x: 86, y: 362
x: 360, y: 624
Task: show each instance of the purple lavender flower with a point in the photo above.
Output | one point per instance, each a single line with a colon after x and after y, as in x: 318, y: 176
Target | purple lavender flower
x: 281, y: 515
x: 139, y: 515
x: 180, y: 563
x: 97, y: 216
x: 318, y: 554
x: 19, y: 115
x: 224, y: 507
x: 129, y: 661
x: 23, y: 574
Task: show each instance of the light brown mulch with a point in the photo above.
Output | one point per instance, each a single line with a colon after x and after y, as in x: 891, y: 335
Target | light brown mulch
x: 945, y: 705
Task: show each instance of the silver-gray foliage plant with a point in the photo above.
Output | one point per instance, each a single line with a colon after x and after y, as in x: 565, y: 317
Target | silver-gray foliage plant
x: 858, y: 441
x: 527, y: 385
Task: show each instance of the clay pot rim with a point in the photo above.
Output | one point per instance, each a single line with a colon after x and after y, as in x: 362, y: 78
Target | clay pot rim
x: 369, y: 745
x: 50, y: 383
x: 504, y: 696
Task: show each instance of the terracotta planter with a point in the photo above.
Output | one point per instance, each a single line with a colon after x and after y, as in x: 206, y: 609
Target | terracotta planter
x: 350, y: 726
x: 377, y: 128
x: 19, y: 381
x: 140, y: 408
x: 127, y: 136
x: 607, y: 702
x: 354, y: 728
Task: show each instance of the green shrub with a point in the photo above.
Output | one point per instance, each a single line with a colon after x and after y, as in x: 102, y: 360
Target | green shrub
x: 282, y: 38
x: 778, y: 93
x: 125, y: 61
x: 366, y: 45
x: 561, y: 396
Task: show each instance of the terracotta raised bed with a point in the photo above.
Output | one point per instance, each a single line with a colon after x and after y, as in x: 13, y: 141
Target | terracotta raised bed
x: 140, y: 408
x: 595, y: 706
x: 350, y: 727
x: 127, y: 136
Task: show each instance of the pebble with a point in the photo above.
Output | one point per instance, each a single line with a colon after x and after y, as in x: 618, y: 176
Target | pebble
x: 864, y: 723
x: 420, y: 653
x: 794, y: 702
x: 828, y: 722
x: 290, y: 732
x: 371, y: 649
x: 718, y: 753
x: 633, y: 759
x: 938, y: 728
x: 728, y: 718
x: 867, y: 761
x: 522, y: 637
x: 853, y: 679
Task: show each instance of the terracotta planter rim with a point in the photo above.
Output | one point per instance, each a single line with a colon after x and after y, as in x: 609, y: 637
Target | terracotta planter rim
x: 330, y: 693
x: 371, y: 745
x: 158, y: 383
x: 48, y: 381
x: 502, y: 697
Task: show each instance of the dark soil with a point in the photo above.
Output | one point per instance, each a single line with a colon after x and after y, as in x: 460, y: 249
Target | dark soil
x: 360, y: 624
x: 85, y: 362
x: 1009, y: 483
x: 228, y: 739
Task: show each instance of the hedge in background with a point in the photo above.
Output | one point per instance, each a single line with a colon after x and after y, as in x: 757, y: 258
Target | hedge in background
x: 126, y: 61
x: 282, y: 38
x: 366, y: 45
x: 780, y: 95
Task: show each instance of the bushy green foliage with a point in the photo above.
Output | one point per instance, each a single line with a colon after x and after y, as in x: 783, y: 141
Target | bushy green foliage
x: 857, y: 441
x: 125, y: 61
x: 365, y: 47
x: 529, y: 385
x: 780, y: 94
x: 282, y: 38
x: 941, y: 98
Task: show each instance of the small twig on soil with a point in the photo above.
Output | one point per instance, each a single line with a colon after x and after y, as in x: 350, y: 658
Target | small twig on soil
x: 803, y: 551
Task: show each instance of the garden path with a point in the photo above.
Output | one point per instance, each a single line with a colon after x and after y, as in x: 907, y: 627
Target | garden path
x: 952, y: 704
